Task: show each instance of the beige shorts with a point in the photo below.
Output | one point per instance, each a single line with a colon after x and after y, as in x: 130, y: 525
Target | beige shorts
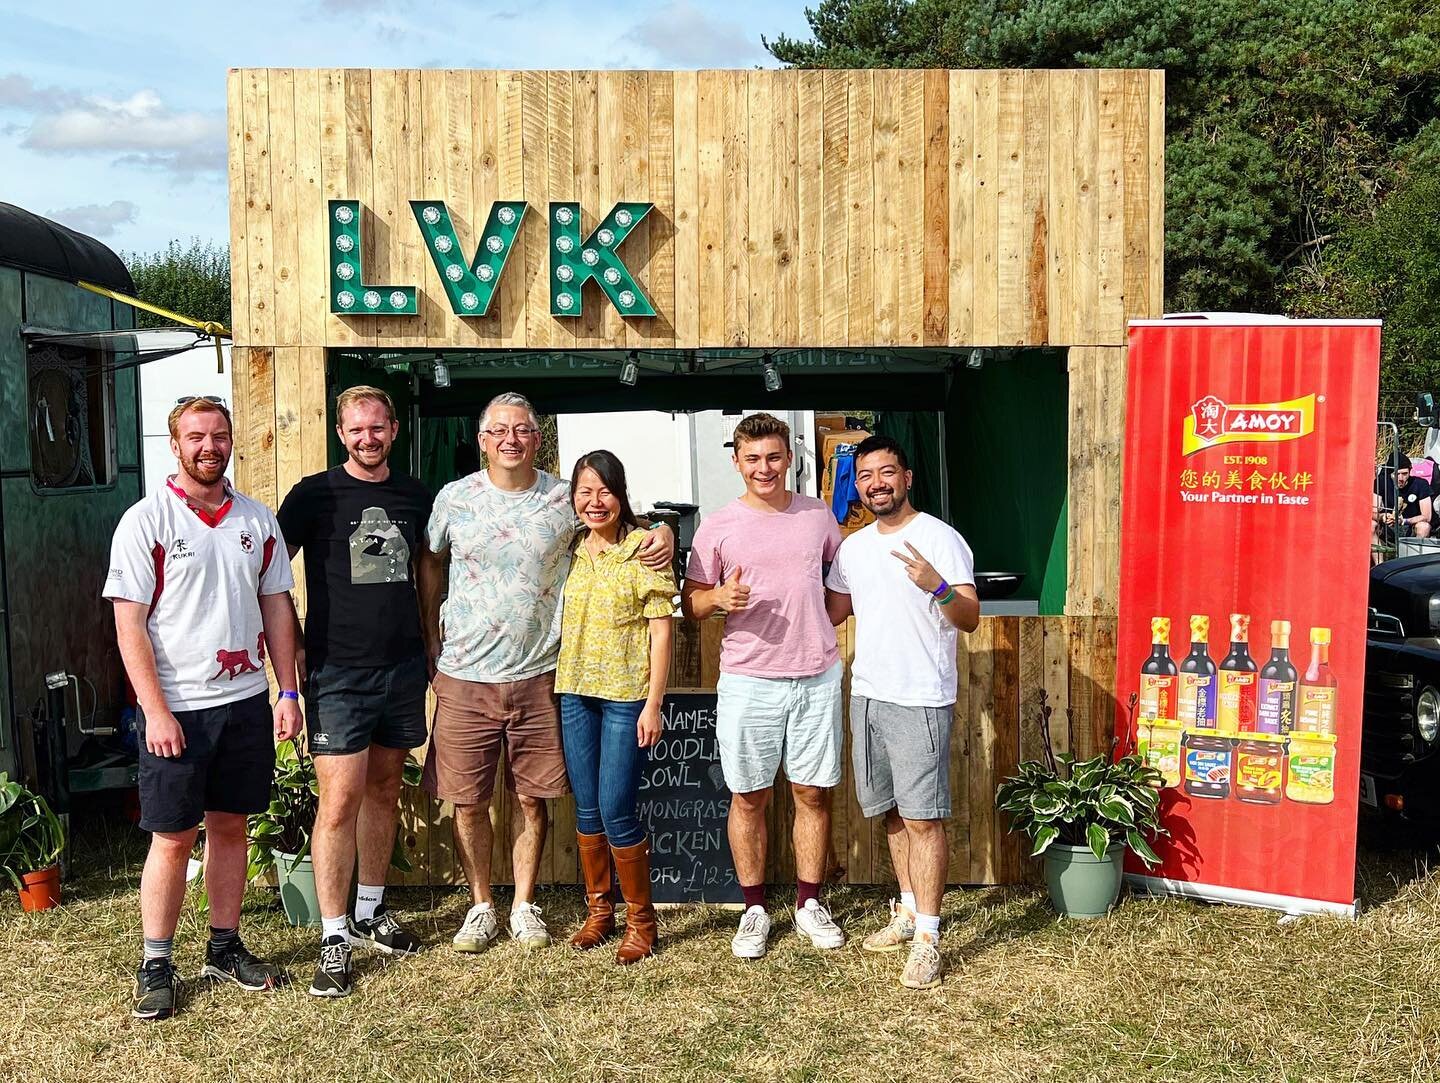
x: 476, y: 724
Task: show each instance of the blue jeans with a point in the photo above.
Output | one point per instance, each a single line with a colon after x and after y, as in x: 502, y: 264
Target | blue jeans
x: 604, y: 761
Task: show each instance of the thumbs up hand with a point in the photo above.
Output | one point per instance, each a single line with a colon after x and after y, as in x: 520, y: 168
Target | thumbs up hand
x: 732, y: 595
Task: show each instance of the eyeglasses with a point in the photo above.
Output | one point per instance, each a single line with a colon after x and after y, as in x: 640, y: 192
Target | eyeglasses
x: 186, y: 399
x: 522, y: 432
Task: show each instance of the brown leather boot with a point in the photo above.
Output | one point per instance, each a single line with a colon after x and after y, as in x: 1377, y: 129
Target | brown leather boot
x: 595, y: 868
x: 632, y: 863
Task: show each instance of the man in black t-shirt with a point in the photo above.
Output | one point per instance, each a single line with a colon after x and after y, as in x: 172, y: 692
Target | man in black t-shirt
x: 1403, y: 505
x: 364, y: 670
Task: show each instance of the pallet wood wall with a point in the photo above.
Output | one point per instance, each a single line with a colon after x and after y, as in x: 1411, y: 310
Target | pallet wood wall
x: 1004, y: 666
x: 792, y: 208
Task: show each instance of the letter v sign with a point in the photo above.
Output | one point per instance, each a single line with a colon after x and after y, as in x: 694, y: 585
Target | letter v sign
x: 573, y: 263
x: 471, y: 287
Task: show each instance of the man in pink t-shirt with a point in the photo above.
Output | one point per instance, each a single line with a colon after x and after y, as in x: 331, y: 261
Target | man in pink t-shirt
x: 761, y: 561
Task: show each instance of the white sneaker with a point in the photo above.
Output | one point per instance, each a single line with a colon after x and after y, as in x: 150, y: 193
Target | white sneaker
x: 750, y: 939
x: 478, y: 931
x: 895, y: 935
x: 814, y: 923
x: 923, y: 968
x: 528, y: 927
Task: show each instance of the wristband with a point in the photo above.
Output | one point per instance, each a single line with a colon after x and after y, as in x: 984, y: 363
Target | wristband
x: 941, y: 589
x: 948, y: 598
x: 286, y: 693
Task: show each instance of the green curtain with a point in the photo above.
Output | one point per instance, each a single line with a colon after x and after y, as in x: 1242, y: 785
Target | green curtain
x: 1006, y: 441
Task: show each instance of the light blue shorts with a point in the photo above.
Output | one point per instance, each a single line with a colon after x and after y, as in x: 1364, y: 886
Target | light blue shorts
x: 762, y: 721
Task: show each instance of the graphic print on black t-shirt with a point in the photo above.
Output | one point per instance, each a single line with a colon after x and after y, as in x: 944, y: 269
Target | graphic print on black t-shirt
x: 378, y: 550
x: 358, y: 538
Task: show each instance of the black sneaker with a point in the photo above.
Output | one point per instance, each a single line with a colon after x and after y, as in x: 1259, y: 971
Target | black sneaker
x: 233, y: 962
x: 156, y: 988
x: 332, y: 976
x: 384, y: 933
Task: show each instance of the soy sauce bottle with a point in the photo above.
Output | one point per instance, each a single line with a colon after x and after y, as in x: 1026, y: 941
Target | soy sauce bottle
x: 1195, y: 706
x: 1157, y: 675
x: 1276, y: 712
x: 1236, y: 713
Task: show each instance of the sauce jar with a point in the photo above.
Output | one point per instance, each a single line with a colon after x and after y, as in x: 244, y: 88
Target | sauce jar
x: 1312, y: 768
x: 1259, y: 769
x: 1207, y: 764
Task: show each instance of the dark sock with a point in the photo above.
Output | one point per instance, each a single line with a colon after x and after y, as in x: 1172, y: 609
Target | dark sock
x: 754, y: 896
x: 223, y: 938
x: 804, y: 892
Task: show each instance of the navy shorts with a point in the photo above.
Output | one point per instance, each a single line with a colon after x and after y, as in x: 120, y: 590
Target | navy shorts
x: 349, y: 708
x: 226, y: 766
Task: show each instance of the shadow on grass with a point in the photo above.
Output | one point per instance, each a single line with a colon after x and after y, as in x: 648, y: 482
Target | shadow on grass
x: 1389, y: 858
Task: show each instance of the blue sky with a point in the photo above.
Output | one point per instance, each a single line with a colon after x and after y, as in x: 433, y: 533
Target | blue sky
x: 112, y: 116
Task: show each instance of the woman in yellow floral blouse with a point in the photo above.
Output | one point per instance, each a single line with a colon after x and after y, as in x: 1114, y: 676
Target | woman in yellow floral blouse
x: 615, y: 642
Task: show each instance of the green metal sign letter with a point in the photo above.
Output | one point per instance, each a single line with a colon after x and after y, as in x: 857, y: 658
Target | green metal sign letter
x: 349, y: 296
x: 470, y: 287
x: 572, y: 262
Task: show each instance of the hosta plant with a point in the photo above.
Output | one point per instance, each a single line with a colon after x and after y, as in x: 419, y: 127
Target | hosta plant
x: 1094, y: 802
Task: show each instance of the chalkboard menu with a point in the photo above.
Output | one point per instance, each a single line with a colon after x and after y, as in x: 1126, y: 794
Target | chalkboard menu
x: 684, y: 800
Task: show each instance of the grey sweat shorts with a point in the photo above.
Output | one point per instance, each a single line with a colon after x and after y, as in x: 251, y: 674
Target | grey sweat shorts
x: 901, y: 757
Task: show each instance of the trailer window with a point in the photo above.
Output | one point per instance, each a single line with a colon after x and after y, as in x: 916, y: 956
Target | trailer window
x: 72, y: 407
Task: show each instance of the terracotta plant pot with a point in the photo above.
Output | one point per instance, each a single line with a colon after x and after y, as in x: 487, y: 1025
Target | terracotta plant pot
x: 41, y: 889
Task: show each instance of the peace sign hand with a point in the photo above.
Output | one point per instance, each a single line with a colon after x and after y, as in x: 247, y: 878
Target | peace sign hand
x: 920, y: 571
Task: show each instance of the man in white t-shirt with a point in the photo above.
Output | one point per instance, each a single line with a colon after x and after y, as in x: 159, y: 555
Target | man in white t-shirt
x: 200, y: 578
x: 909, y: 579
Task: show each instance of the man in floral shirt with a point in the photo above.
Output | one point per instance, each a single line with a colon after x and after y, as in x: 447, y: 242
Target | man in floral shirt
x: 507, y: 532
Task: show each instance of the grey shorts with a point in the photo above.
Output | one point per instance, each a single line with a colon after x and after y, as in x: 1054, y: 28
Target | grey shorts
x: 901, y: 757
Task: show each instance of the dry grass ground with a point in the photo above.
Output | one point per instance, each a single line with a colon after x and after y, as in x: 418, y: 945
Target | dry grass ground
x: 1162, y: 990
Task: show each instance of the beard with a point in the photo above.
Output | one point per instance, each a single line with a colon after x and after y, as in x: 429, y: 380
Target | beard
x: 885, y: 503
x: 370, y: 456
x: 204, y: 473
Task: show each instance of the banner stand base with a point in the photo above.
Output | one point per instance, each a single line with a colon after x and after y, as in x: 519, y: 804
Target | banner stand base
x: 1289, y: 904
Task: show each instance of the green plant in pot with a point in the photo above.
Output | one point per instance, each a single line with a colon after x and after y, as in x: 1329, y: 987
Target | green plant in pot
x: 1082, y: 815
x: 280, y: 836
x: 31, y: 841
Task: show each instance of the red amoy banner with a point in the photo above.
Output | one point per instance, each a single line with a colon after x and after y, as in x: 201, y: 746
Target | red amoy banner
x: 1245, y: 541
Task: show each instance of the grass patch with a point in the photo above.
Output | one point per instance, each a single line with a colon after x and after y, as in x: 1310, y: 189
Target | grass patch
x: 1162, y: 990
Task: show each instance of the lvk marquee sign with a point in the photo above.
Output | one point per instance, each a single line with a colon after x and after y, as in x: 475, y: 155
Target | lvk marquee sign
x: 470, y: 285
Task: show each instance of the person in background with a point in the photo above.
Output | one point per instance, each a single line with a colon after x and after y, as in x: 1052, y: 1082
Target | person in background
x: 363, y: 669
x: 507, y: 532
x: 200, y: 587
x: 615, y: 645
x: 1402, y: 506
x: 903, y: 687
x: 760, y: 560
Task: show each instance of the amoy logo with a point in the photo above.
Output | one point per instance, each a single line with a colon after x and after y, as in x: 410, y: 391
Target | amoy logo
x: 470, y: 284
x: 1212, y: 421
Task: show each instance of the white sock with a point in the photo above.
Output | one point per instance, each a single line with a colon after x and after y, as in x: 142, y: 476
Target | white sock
x: 907, y: 900
x: 367, y: 900
x: 334, y: 927
x: 928, y: 923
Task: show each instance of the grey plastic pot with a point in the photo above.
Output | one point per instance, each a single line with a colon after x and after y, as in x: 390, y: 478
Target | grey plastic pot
x: 297, y: 889
x: 1082, y: 885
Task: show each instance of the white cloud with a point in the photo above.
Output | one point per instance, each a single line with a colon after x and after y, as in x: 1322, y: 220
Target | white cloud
x: 138, y: 130
x: 20, y: 92
x: 97, y: 219
x: 682, y: 35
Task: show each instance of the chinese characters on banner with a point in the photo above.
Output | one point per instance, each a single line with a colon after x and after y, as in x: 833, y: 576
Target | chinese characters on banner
x: 1245, y: 546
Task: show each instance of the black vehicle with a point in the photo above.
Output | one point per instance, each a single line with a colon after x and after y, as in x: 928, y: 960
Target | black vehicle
x: 1400, y: 754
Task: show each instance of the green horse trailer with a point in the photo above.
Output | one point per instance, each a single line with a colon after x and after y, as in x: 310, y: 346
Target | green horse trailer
x: 69, y: 467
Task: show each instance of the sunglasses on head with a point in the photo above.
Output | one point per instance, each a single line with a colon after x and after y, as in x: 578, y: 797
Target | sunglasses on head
x: 185, y: 399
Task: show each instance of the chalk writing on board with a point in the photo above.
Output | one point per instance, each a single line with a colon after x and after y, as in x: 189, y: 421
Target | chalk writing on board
x: 684, y: 800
